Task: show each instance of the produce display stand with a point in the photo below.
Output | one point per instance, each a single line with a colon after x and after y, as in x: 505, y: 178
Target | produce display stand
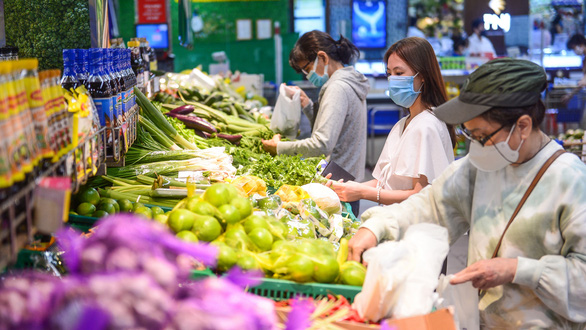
x: 84, y: 223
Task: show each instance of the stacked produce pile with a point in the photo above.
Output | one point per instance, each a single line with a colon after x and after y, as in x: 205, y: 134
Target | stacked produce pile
x: 126, y: 281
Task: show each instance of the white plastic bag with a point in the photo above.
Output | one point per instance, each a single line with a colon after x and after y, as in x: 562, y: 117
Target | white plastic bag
x: 287, y: 112
x: 402, y: 276
x: 464, y: 299
x: 325, y: 198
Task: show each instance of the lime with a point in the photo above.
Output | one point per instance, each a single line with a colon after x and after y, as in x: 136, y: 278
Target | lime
x: 255, y: 221
x: 157, y: 210
x: 262, y: 238
x: 144, y: 211
x: 307, y: 247
x: 219, y: 194
x: 206, y: 228
x: 326, y: 269
x: 247, y: 262
x: 125, y: 205
x: 277, y: 229
x: 86, y: 209
x: 235, y: 226
x: 306, y: 229
x: 300, y: 268
x: 111, y: 201
x: 229, y: 214
x: 324, y: 247
x: 352, y: 273
x: 100, y: 214
x: 269, y: 203
x: 187, y: 236
x: 181, y: 219
x: 226, y: 258
x: 137, y: 205
x: 89, y: 195
x: 236, y: 238
x: 73, y: 213
x: 108, y: 207
x: 201, y: 207
x: 161, y: 218
x: 243, y: 205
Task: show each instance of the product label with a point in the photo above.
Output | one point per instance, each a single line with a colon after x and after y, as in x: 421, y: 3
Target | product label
x: 105, y: 111
x: 119, y: 108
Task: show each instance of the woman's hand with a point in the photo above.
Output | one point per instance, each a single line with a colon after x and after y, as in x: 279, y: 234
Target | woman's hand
x: 270, y: 146
x: 302, y: 96
x: 363, y: 240
x: 347, y: 191
x: 486, y: 274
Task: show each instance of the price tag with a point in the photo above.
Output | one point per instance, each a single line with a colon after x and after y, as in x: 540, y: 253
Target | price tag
x: 52, y: 199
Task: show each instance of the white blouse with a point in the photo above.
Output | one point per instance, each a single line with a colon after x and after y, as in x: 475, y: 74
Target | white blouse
x: 424, y: 148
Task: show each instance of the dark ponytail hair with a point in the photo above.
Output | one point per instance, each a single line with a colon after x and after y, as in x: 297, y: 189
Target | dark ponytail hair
x: 310, y: 43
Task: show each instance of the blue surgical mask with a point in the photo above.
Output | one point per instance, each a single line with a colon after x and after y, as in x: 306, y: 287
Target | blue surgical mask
x: 316, y: 79
x: 401, y: 90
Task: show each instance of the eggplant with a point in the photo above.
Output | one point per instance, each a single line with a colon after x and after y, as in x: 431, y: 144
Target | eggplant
x: 196, y: 123
x: 234, y: 139
x: 183, y: 110
x: 201, y: 133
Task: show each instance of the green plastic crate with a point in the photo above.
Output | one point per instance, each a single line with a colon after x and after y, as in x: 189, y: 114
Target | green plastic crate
x: 278, y: 290
x: 84, y: 223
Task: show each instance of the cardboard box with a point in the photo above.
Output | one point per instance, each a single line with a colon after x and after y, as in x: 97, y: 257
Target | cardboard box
x: 442, y: 319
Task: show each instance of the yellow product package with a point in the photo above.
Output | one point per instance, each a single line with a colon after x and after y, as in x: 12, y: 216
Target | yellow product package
x: 250, y: 185
x: 290, y: 193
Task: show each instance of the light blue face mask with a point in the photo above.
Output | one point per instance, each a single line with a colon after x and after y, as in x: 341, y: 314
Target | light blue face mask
x: 401, y: 90
x: 316, y: 79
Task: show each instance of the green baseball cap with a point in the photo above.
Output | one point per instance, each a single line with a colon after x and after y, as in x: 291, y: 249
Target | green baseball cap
x: 503, y: 82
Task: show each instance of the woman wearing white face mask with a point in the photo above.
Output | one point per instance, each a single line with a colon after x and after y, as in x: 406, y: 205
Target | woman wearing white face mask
x: 420, y: 146
x: 527, y: 219
x: 339, y: 119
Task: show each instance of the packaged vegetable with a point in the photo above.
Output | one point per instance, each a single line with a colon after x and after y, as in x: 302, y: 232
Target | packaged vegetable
x: 289, y: 193
x: 324, y: 197
x: 250, y: 185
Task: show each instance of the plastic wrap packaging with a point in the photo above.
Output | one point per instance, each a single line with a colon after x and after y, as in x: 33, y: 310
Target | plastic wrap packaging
x: 402, y: 275
x: 324, y: 197
x: 464, y: 298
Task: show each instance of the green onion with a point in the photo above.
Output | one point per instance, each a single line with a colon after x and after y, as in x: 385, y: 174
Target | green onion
x: 156, y: 133
x: 157, y: 117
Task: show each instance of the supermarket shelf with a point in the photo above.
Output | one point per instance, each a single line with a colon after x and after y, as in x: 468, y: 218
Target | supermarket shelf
x: 122, y: 137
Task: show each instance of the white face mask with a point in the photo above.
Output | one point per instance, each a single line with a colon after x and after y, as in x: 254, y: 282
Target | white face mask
x: 578, y: 50
x: 494, y: 157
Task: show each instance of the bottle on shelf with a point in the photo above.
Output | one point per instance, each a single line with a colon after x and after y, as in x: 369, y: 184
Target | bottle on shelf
x: 99, y: 88
x: 137, y: 64
x: 126, y: 63
x: 114, y: 85
x: 69, y: 80
x: 152, y: 58
x: 81, y: 65
x: 144, y: 52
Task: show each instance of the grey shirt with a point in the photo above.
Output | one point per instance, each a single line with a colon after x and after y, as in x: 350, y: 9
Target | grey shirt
x: 339, y: 129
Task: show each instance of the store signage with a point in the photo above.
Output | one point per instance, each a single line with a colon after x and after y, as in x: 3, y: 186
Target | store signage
x: 494, y: 22
x: 152, y: 11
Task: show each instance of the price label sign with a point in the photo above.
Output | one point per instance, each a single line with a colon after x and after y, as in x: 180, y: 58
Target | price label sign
x: 152, y: 11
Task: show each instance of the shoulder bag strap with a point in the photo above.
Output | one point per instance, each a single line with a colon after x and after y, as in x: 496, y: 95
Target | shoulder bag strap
x: 526, y: 195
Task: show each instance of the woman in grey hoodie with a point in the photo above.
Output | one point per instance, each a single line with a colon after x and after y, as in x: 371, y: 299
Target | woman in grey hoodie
x: 338, y: 120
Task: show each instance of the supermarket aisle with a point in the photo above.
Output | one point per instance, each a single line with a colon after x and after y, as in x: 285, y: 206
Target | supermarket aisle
x: 458, y: 252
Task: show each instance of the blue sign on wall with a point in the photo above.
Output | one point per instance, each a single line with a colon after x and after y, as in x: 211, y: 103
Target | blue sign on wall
x: 369, y: 23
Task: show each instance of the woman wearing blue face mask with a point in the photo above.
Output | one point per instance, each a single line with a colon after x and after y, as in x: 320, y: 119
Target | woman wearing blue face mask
x: 522, y: 199
x: 339, y: 119
x: 420, y: 146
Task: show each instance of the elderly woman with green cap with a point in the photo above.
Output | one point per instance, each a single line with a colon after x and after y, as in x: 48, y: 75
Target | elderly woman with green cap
x: 521, y: 197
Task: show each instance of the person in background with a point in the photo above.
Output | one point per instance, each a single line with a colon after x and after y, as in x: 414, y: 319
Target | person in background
x: 531, y: 276
x: 459, y: 47
x: 478, y: 44
x: 338, y: 120
x: 577, y: 43
x: 413, y: 30
x: 420, y: 146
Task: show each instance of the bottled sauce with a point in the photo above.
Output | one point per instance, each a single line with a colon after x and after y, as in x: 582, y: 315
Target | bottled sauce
x: 137, y: 64
x: 120, y: 79
x: 144, y: 52
x: 69, y: 80
x: 99, y: 88
x: 81, y: 65
x: 114, y: 84
x: 152, y: 58
x: 131, y: 77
